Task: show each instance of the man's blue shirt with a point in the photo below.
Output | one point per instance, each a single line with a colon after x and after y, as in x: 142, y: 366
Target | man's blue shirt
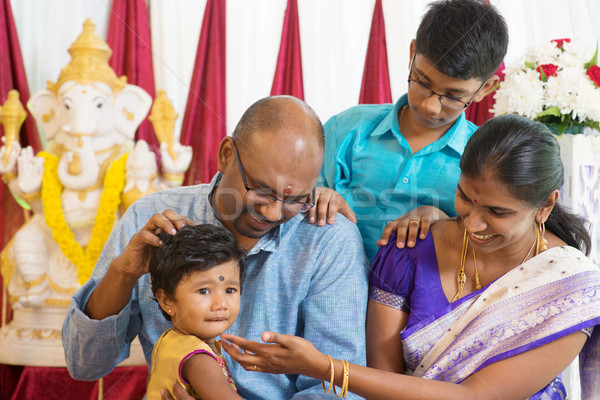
x: 301, y: 280
x: 369, y: 162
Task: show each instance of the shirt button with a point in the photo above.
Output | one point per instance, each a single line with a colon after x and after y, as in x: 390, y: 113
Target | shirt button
x: 405, y: 180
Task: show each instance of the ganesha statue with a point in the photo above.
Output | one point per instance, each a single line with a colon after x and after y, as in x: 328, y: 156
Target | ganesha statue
x: 88, y: 174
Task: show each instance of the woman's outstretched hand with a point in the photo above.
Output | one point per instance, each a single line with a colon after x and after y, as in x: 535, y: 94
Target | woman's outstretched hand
x: 280, y: 354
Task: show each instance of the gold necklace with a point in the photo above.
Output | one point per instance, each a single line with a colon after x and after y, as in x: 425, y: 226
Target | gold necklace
x: 462, y: 277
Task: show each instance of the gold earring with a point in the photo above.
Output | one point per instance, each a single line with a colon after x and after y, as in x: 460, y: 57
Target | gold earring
x: 543, y: 241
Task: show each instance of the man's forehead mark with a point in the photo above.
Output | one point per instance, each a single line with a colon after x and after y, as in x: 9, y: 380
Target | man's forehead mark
x: 288, y: 189
x: 221, y: 278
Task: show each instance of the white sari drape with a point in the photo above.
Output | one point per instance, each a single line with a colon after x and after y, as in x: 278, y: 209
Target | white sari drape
x: 548, y: 297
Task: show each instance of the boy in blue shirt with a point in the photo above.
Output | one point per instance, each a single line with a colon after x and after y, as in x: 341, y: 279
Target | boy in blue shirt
x: 386, y: 160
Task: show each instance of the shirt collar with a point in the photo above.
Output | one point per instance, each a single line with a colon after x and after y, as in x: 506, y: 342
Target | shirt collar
x: 390, y: 121
x: 456, y: 137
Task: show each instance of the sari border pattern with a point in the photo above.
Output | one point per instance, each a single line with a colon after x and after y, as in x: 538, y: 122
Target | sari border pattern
x: 388, y: 299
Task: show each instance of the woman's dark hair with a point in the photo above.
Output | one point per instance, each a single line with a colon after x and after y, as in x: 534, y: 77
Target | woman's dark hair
x: 463, y: 39
x: 525, y: 156
x: 192, y: 248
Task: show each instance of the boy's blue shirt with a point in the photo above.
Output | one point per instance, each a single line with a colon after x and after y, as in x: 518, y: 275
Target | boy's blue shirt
x: 369, y: 162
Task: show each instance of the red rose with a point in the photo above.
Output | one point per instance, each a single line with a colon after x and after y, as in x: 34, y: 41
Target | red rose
x: 549, y: 69
x: 594, y: 74
x: 560, y: 42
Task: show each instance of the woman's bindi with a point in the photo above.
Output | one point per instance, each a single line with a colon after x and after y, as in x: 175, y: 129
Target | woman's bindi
x: 221, y: 278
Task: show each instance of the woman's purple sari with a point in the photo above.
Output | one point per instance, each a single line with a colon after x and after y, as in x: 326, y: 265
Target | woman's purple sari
x: 550, y: 296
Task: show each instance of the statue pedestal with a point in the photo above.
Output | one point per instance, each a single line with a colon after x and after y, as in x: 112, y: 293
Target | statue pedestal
x: 33, y: 337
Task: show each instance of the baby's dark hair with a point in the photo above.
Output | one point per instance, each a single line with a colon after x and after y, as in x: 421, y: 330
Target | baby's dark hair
x: 463, y: 39
x: 192, y: 248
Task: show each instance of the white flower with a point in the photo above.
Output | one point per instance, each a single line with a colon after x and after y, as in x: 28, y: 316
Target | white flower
x: 576, y: 53
x: 568, y: 91
x: 521, y: 93
x: 545, y: 53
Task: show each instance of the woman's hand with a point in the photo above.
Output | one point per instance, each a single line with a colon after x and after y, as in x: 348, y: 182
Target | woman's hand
x: 280, y: 354
x: 410, y: 224
x: 328, y: 203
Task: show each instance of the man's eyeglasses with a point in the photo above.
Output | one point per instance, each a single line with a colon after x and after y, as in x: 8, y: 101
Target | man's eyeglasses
x: 264, y: 196
x: 447, y: 101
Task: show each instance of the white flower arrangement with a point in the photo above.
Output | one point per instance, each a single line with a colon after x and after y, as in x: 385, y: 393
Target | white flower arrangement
x: 556, y: 83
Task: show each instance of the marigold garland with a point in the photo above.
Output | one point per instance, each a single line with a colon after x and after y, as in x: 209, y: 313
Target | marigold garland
x: 114, y: 182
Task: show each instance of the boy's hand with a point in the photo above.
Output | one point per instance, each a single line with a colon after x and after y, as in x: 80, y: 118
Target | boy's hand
x: 408, y: 226
x: 328, y: 203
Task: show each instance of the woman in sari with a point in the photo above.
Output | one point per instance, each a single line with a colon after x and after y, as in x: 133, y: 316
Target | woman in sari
x: 493, y: 304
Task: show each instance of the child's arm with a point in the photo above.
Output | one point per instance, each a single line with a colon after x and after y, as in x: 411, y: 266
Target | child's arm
x: 205, y: 376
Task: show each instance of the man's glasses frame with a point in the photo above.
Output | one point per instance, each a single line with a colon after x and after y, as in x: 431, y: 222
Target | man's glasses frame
x: 260, y: 197
x: 445, y: 100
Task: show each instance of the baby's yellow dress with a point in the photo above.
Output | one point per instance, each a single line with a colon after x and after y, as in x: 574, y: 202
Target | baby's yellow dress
x: 168, y: 356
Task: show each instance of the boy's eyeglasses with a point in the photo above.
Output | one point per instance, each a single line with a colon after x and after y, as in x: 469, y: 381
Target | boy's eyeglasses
x: 446, y: 101
x: 264, y: 196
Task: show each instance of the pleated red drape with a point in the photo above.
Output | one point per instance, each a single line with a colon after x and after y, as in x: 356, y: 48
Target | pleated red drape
x: 12, y: 76
x: 129, y: 38
x: 288, y: 73
x: 375, y: 88
x: 478, y: 113
x: 204, y: 123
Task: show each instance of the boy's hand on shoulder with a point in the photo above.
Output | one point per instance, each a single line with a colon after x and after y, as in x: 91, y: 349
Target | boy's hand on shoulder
x: 328, y: 203
x: 411, y: 224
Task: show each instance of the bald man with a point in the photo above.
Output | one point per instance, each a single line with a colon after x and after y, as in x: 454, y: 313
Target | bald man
x: 302, y: 279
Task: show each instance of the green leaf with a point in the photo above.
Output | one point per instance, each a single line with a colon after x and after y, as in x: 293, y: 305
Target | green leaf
x: 529, y: 65
x: 543, y: 76
x: 553, y: 111
x: 593, y: 61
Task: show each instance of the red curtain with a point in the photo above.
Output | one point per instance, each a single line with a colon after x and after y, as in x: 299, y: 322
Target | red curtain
x: 288, y: 73
x: 375, y: 87
x: 55, y: 383
x: 478, y: 113
x: 129, y: 39
x: 12, y: 76
x: 204, y: 123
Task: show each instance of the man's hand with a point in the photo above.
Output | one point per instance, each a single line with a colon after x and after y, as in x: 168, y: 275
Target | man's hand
x: 408, y: 226
x: 114, y: 290
x: 328, y: 203
x: 134, y: 260
x: 178, y: 391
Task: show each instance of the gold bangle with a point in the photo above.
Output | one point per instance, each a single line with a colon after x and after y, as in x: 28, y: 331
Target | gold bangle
x: 346, y: 374
x: 30, y: 197
x: 6, y: 178
x: 346, y: 382
x: 174, y: 177
x: 331, y: 368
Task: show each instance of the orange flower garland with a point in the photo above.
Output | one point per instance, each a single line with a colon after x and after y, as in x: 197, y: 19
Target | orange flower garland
x: 114, y: 182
